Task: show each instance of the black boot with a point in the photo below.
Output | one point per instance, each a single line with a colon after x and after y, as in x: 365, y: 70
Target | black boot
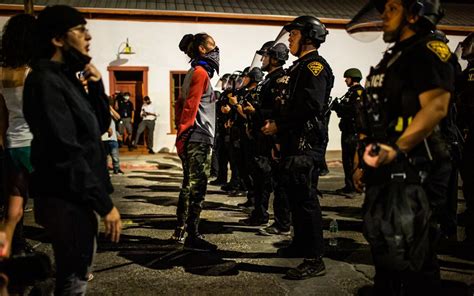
x: 308, y: 269
x: 197, y: 242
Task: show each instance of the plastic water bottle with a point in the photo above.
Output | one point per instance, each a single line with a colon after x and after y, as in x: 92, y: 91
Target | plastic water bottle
x: 333, y: 229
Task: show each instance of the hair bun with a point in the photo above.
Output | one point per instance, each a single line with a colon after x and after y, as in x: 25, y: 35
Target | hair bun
x: 185, y: 42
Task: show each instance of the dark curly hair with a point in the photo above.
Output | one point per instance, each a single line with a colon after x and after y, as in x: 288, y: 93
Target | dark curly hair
x: 17, y: 45
x: 189, y: 44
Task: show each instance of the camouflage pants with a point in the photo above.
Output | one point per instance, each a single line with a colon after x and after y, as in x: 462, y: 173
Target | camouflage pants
x: 193, y: 189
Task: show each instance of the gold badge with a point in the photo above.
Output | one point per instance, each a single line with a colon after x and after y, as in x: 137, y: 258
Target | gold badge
x: 440, y: 49
x: 315, y: 67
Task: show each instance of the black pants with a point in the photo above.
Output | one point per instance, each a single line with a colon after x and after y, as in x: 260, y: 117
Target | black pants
x: 267, y: 179
x: 427, y: 279
x: 348, y: 146
x: 222, y: 156
x: 467, y: 175
x: 73, y: 231
x: 301, y: 174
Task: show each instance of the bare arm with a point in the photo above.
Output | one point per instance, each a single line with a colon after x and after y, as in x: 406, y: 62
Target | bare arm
x: 114, y: 113
x: 434, y: 107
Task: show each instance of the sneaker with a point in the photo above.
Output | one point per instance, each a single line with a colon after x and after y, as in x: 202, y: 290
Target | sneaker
x: 273, y: 230
x: 90, y: 276
x: 290, y: 251
x: 253, y: 221
x: 247, y: 204
x: 118, y: 172
x: 308, y: 269
x: 151, y: 151
x: 197, y: 243
x: 178, y: 235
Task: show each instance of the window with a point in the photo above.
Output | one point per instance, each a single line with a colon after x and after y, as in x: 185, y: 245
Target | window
x: 176, y: 81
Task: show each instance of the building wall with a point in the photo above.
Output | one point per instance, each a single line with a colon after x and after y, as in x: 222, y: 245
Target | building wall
x: 156, y: 46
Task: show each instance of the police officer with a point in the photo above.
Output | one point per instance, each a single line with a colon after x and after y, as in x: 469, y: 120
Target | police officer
x: 264, y: 169
x: 408, y: 94
x: 346, y: 110
x: 241, y: 144
x: 465, y: 90
x: 301, y: 128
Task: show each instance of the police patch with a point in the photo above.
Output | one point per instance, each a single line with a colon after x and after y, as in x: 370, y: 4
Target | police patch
x: 440, y: 49
x: 315, y: 67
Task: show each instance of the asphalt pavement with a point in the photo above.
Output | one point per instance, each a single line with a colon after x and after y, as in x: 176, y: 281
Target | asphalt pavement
x: 145, y: 262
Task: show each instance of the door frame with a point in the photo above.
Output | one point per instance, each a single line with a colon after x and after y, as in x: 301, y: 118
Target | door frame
x: 112, y: 80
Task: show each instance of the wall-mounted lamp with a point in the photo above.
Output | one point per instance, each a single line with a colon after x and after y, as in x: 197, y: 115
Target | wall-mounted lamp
x: 125, y: 50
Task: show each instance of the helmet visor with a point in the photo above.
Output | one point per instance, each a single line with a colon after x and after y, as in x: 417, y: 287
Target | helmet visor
x: 257, y: 59
x: 366, y: 25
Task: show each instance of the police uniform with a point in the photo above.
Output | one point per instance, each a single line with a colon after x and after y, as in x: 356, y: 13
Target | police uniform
x: 415, y: 184
x: 264, y: 170
x: 346, y: 110
x: 301, y: 129
x: 466, y: 123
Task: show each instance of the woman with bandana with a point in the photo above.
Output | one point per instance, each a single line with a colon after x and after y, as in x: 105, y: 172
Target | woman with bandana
x: 70, y: 182
x: 195, y: 113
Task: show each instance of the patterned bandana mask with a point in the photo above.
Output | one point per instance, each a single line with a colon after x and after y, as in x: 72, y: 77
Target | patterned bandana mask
x: 212, y: 59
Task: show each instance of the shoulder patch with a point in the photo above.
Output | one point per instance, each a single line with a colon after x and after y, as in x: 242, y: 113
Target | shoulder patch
x: 440, y: 49
x: 315, y: 67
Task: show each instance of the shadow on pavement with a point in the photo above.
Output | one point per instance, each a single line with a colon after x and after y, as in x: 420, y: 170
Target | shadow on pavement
x: 344, y: 211
x: 163, y: 254
x: 168, y: 201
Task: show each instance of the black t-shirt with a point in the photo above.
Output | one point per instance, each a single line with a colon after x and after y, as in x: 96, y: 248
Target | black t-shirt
x: 125, y: 108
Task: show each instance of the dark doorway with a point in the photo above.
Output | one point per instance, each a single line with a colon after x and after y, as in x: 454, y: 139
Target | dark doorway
x: 133, y: 80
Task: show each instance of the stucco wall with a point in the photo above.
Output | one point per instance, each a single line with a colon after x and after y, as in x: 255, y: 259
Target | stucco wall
x: 156, y: 46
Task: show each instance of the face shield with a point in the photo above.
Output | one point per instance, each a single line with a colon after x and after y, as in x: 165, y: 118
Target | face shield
x: 257, y: 59
x: 366, y: 25
x: 466, y: 48
x: 231, y: 83
x: 240, y: 82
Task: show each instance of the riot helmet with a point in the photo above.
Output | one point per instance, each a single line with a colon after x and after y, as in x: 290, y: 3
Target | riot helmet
x: 311, y: 32
x: 366, y: 25
x: 255, y: 75
x: 279, y: 52
x: 258, y: 58
x: 467, y: 48
x: 265, y: 47
x: 222, y: 81
x: 429, y: 11
x: 310, y: 27
x: 230, y: 83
